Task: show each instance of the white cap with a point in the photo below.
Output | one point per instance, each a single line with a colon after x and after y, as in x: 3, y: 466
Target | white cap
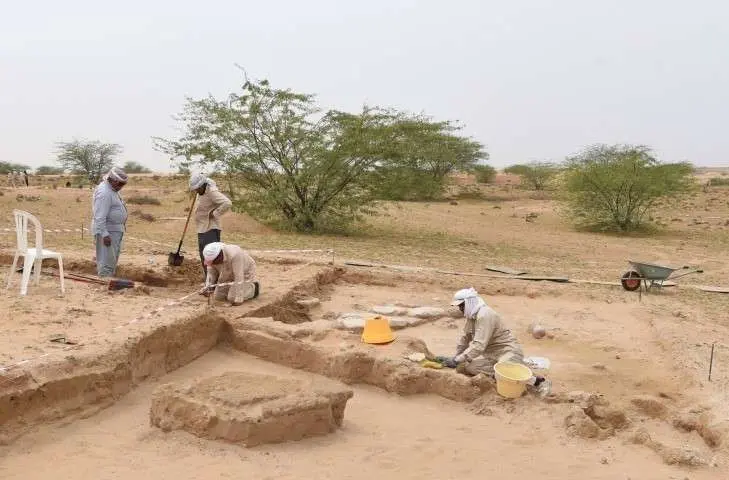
x: 461, y: 295
x: 211, y: 252
x: 197, y: 180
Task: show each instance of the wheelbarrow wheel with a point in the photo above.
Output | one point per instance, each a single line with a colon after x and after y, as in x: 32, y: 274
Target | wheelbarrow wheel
x: 631, y: 280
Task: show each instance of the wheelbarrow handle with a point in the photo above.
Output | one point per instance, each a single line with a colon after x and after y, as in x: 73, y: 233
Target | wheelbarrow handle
x: 671, y: 277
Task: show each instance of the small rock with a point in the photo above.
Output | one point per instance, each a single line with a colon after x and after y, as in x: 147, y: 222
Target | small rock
x: 539, y: 332
x: 426, y: 312
x: 599, y: 366
x: 604, y: 460
x: 617, y: 356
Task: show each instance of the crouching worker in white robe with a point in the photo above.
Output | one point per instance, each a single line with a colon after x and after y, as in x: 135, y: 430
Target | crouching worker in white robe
x: 230, y: 264
x: 485, y: 341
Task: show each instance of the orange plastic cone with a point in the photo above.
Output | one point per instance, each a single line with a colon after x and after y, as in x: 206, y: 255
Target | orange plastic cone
x: 377, y: 331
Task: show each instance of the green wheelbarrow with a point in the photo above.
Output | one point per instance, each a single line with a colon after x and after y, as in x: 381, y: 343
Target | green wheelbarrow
x: 651, y: 275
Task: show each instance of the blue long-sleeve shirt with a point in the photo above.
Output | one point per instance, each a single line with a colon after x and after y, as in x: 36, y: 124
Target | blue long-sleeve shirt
x: 109, y: 214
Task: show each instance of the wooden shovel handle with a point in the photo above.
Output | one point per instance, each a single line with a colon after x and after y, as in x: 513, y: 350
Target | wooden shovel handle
x: 187, y: 222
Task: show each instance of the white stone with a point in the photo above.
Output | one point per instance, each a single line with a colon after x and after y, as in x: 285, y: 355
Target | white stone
x: 351, y: 321
x: 399, y: 322
x: 426, y: 312
x: 309, y: 302
x: 388, y: 310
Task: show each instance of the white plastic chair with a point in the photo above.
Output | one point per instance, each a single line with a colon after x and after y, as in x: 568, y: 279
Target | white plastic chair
x: 33, y: 257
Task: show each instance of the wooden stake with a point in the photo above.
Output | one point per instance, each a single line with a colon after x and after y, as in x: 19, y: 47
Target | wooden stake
x: 711, y: 359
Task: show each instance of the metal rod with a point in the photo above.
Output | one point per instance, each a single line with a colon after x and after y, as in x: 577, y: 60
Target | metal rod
x: 711, y: 360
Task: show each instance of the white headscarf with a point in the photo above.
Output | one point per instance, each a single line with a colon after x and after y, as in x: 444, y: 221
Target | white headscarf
x: 197, y: 180
x: 117, y: 174
x: 473, y: 302
x: 211, y: 252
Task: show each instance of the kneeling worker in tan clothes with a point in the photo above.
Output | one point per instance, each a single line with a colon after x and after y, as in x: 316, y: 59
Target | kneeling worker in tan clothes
x: 486, y: 341
x: 230, y: 264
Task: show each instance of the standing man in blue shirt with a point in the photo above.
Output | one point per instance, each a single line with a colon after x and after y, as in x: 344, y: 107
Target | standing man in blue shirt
x: 109, y: 218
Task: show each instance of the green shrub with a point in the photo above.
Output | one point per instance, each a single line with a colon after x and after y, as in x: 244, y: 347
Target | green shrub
x: 484, y: 173
x: 613, y: 188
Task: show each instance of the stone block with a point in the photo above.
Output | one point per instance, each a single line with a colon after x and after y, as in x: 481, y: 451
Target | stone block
x: 250, y: 409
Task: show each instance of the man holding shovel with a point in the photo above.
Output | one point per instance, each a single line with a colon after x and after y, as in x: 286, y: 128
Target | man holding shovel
x: 211, y: 206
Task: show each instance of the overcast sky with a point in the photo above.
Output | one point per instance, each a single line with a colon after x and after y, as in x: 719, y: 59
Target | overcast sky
x: 531, y: 79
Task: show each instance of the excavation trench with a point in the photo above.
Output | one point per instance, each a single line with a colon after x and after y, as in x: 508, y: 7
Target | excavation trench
x: 87, y: 380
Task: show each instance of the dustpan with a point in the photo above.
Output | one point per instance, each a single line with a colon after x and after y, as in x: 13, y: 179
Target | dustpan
x: 377, y: 331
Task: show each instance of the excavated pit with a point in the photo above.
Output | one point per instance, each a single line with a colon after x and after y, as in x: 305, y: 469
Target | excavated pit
x: 87, y: 379
x: 297, y: 326
x: 250, y: 409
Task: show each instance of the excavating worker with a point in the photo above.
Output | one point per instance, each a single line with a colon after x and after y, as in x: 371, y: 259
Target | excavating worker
x: 230, y: 264
x: 109, y: 218
x: 485, y: 341
x: 211, y: 206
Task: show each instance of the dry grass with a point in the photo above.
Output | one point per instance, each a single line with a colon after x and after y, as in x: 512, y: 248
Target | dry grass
x: 143, y: 200
x: 467, y: 236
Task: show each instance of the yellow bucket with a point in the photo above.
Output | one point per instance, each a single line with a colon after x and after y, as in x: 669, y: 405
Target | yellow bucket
x: 377, y: 331
x: 511, y: 379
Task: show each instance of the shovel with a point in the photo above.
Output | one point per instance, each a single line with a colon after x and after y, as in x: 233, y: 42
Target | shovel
x: 174, y: 259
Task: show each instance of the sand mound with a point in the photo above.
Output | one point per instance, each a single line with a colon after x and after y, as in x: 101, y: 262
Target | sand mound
x: 250, y: 409
x: 670, y: 455
x: 650, y: 406
x: 713, y: 434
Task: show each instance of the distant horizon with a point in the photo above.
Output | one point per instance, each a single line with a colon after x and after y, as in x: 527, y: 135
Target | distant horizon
x: 498, y: 168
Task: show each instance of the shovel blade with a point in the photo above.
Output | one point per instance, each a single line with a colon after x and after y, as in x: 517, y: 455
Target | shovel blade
x: 175, y: 259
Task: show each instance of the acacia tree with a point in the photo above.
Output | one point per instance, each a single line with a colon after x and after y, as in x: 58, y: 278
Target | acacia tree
x: 422, y: 154
x: 91, y: 159
x: 536, y: 175
x: 311, y: 168
x: 613, y: 187
x: 484, y: 173
x: 49, y: 170
x: 135, y: 167
x: 6, y: 167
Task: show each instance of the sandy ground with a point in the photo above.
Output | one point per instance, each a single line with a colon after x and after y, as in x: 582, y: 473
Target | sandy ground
x: 605, y: 340
x: 88, y: 314
x: 384, y: 435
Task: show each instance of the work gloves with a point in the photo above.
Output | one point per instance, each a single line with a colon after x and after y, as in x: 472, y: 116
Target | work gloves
x: 449, y: 362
